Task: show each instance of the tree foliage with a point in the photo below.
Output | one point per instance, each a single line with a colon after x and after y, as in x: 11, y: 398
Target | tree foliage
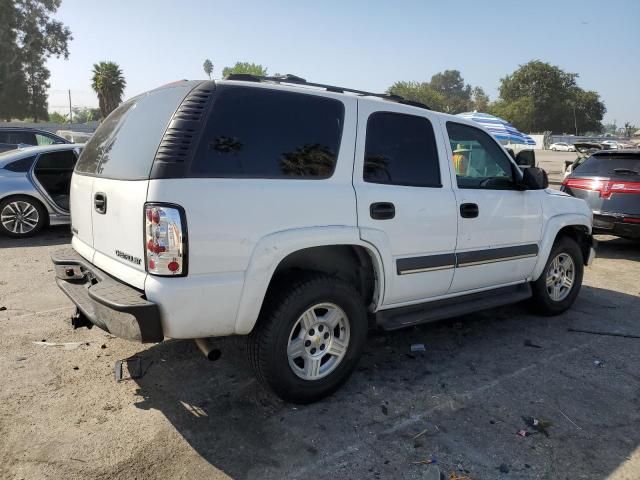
x: 445, y: 92
x: 539, y: 96
x: 108, y: 82
x: 207, y: 66
x: 28, y: 37
x: 245, y: 67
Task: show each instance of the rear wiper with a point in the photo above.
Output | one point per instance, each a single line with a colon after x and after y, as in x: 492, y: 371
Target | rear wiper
x: 626, y: 170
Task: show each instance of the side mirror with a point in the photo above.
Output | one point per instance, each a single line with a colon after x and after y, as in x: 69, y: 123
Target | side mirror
x: 534, y: 178
x: 526, y: 158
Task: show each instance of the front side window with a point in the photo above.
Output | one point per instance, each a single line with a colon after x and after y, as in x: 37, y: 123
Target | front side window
x: 478, y: 160
x: 264, y: 133
x: 401, y: 150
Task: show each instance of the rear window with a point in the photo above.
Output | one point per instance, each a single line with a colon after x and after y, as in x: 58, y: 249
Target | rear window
x: 606, y: 166
x: 264, y: 133
x: 124, y: 145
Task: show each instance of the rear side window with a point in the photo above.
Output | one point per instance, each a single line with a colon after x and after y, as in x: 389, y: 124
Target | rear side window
x: 22, y: 165
x: 18, y: 137
x: 401, y: 150
x: 264, y: 133
x: 605, y: 166
x: 124, y: 145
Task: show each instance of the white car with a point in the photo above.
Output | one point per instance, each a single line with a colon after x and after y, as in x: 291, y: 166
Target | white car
x: 613, y: 145
x: 562, y: 147
x: 300, y: 214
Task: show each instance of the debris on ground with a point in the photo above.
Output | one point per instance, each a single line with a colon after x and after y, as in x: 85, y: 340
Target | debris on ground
x: 570, y: 421
x: 385, y: 410
x: 428, y: 461
x: 529, y: 343
x: 64, y: 345
x: 418, y: 435
x: 418, y: 347
x: 20, y: 359
x: 103, y: 346
x: 541, y: 426
x: 2, y: 309
x: 609, y: 334
x: 523, y: 433
x: 455, y: 476
x: 598, y: 363
x: 504, y: 468
x: 133, y: 369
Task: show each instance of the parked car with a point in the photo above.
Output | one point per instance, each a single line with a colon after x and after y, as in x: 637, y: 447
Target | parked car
x: 562, y: 147
x: 612, y: 144
x: 585, y: 150
x: 16, y: 137
x: 74, y: 136
x: 34, y: 188
x: 609, y: 181
x: 295, y: 213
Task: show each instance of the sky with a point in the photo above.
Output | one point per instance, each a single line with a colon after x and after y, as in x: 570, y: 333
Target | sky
x: 358, y: 44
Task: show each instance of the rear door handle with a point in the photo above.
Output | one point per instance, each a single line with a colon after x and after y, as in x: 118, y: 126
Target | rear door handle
x: 469, y: 210
x: 100, y: 202
x: 382, y: 211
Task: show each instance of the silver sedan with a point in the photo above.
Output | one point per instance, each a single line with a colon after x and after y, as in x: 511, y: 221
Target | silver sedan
x: 34, y: 188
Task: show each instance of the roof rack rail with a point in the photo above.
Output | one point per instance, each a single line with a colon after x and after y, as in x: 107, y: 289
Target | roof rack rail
x: 295, y: 80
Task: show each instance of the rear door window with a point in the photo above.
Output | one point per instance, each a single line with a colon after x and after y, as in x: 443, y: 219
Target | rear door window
x: 64, y: 160
x: 265, y: 133
x: 401, y: 150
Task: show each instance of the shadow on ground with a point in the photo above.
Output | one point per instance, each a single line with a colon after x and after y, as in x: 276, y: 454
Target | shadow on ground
x: 618, y: 248
x: 467, y: 393
x: 58, y: 235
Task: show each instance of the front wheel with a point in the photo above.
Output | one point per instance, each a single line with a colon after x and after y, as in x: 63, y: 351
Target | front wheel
x: 553, y: 149
x: 309, y: 337
x: 558, y: 286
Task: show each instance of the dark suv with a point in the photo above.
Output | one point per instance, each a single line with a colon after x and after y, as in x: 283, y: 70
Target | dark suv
x: 14, y: 137
x: 609, y: 181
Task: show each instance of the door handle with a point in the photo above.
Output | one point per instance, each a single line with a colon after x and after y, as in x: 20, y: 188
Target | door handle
x: 382, y: 211
x: 469, y: 210
x: 100, y: 202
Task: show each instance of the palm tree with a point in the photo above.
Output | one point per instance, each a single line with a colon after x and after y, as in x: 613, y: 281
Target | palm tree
x: 109, y: 84
x: 208, y: 67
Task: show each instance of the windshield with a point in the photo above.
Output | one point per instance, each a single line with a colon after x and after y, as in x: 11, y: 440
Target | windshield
x: 606, y: 166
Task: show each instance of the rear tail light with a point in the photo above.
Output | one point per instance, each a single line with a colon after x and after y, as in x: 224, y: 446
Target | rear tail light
x: 165, y: 240
x: 604, y: 187
x: 631, y: 220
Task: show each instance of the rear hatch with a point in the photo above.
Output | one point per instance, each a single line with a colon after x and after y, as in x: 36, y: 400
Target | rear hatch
x: 109, y: 186
x: 609, y: 183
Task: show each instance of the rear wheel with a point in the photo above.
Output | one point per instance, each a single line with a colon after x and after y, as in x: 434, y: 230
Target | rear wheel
x: 560, y: 282
x: 21, y: 216
x: 309, y: 337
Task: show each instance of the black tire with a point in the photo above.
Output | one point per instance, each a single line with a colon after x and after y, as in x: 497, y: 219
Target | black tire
x: 42, y: 216
x: 542, y: 302
x: 284, y: 305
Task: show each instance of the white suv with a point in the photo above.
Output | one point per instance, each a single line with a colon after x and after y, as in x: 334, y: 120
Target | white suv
x: 301, y: 215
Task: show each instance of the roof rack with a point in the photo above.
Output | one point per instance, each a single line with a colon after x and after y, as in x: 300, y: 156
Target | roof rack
x: 295, y: 80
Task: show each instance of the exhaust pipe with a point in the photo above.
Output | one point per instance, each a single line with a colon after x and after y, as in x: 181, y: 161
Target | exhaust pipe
x: 207, y: 347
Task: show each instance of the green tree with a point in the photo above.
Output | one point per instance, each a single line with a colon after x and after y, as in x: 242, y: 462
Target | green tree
x: 457, y: 95
x: 418, y: 92
x: 245, y: 67
x: 108, y: 82
x: 208, y: 67
x: 549, y: 95
x: 28, y: 37
x: 56, y: 117
x: 479, y: 100
x: 85, y: 114
x: 629, y: 129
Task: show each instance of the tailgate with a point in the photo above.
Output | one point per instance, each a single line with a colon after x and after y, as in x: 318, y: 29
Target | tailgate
x: 111, y: 180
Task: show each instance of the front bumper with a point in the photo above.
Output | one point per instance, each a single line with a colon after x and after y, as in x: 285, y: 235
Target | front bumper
x: 614, y: 224
x: 106, y: 302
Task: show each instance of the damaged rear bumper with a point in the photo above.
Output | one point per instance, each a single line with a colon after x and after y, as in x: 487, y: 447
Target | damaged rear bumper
x: 106, y: 302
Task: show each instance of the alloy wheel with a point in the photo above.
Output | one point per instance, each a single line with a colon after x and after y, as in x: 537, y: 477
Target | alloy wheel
x: 560, y: 277
x: 318, y: 341
x: 19, y: 217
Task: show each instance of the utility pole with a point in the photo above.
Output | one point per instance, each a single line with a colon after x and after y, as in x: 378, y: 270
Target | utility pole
x: 575, y: 121
x: 70, y: 110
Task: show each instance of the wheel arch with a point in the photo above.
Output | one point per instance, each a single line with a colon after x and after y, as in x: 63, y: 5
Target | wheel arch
x: 575, y: 226
x: 332, y: 250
